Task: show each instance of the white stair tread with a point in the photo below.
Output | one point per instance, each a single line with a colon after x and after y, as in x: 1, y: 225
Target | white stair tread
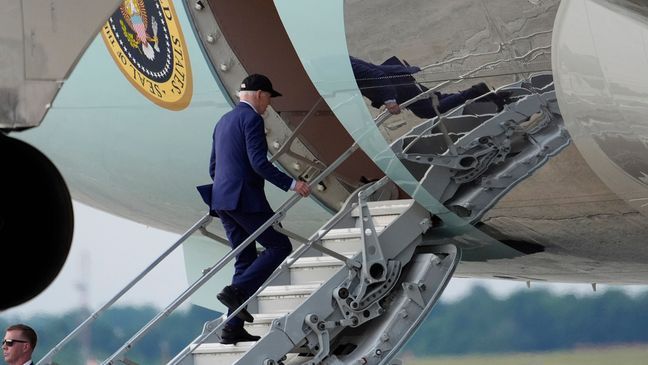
x: 240, y: 348
x: 343, y: 233
x: 267, y: 317
x: 288, y: 290
x: 318, y: 261
x: 219, y: 348
x: 285, y: 298
x: 385, y: 207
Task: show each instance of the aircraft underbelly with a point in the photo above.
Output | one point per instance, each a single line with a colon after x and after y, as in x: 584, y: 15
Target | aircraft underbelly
x: 587, y: 232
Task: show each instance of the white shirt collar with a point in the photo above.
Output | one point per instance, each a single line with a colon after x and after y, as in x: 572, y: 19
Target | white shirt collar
x: 28, y: 362
x: 251, y: 106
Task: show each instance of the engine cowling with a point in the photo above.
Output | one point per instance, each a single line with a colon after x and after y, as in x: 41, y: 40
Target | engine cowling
x: 36, y: 222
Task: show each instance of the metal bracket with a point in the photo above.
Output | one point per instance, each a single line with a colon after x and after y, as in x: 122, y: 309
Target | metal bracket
x: 350, y: 263
x: 213, y: 236
x: 413, y: 291
x: 364, y: 299
x: 323, y: 338
x: 209, y: 326
x: 374, y: 267
x: 451, y: 145
x: 360, y: 309
x: 458, y: 162
x: 277, y: 227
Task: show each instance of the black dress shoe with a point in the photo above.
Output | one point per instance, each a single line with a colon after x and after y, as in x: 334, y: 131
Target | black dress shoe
x: 232, y: 299
x: 479, y: 90
x: 230, y: 336
x: 500, y: 98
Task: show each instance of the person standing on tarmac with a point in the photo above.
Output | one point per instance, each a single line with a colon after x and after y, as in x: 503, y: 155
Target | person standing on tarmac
x: 18, y: 345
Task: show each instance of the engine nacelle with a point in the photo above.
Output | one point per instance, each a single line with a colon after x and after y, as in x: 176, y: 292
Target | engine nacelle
x: 36, y: 221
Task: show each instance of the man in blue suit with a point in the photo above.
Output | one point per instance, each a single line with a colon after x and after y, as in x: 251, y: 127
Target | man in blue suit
x: 239, y: 167
x: 391, y: 83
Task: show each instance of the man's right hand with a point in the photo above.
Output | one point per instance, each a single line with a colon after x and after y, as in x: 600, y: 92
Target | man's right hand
x: 302, y: 188
x: 393, y: 107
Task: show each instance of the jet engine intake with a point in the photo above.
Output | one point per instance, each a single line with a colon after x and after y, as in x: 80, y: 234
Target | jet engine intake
x: 36, y: 221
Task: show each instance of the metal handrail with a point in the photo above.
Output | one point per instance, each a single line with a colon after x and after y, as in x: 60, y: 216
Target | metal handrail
x: 278, y: 216
x: 48, y: 358
x: 290, y: 234
x: 213, y: 236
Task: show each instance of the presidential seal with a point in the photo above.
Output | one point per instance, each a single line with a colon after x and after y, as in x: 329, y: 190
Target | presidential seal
x: 145, y: 40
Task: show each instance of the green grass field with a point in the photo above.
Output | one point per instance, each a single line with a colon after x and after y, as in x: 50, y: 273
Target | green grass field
x: 624, y: 355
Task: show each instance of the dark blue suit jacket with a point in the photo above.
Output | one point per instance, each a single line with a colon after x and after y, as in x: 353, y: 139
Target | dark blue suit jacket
x: 239, y: 163
x: 390, y: 80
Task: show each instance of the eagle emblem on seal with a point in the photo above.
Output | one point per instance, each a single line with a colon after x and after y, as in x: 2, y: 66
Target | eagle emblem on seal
x: 136, y: 19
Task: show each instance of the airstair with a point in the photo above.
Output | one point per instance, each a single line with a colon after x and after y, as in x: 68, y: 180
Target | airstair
x: 373, y: 302
x: 359, y: 287
x: 349, y: 307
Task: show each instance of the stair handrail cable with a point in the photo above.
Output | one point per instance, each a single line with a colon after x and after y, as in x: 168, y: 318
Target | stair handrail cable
x: 280, y: 214
x: 48, y: 358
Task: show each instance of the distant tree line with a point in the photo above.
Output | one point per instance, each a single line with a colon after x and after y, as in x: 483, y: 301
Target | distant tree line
x: 528, y: 321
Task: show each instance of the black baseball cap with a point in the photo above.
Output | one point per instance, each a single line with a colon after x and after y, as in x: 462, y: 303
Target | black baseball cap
x: 256, y: 82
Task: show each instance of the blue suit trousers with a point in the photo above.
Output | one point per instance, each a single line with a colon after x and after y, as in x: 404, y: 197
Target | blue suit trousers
x: 252, y: 270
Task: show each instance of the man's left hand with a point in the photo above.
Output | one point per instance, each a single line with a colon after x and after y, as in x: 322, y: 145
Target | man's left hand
x: 302, y: 188
x: 393, y: 107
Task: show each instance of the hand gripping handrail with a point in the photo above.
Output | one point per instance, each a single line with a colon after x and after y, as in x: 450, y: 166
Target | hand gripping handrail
x: 278, y: 216
x: 49, y: 357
